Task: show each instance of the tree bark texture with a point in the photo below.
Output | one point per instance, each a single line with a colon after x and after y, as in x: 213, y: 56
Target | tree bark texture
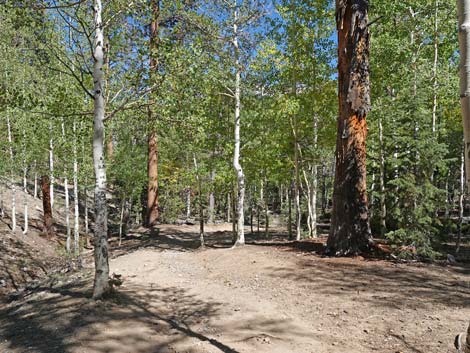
x: 51, y: 164
x: 463, y: 8
x: 236, y: 154
x: 12, y: 177
x: 383, y: 207
x: 67, y: 199
x: 152, y: 166
x: 211, y: 209
x: 461, y: 202
x: 101, y: 285
x: 76, y: 227
x: 200, y: 202
x: 350, y: 230
x: 46, y: 206
x: 25, y: 186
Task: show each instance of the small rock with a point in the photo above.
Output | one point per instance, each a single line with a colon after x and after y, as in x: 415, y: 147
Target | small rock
x: 451, y: 259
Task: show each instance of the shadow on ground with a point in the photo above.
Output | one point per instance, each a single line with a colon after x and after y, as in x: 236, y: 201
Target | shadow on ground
x: 381, y: 283
x: 186, y: 238
x: 135, y: 319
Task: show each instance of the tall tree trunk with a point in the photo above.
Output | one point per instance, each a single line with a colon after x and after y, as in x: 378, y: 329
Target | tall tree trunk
x: 87, y: 228
x: 51, y: 164
x: 35, y: 194
x: 152, y: 166
x: 188, y: 202
x: 324, y: 191
x: 152, y: 189
x: 434, y: 68
x: 313, y: 196
x: 25, y: 197
x: 350, y: 230
x: 461, y: 201
x: 76, y: 227
x: 229, y: 207
x: 266, y: 211
x: 211, y: 209
x: 298, y: 214
x: 383, y: 207
x: 101, y: 285
x: 25, y: 186
x: 2, y: 205
x: 46, y: 206
x: 251, y: 217
x: 201, y: 204
x: 308, y: 198
x: 463, y: 8
x: 12, y: 177
x: 289, y: 219
x: 121, y: 219
x: 67, y: 200
x: 236, y: 154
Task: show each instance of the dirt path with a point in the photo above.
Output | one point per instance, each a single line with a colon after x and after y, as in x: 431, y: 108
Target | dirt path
x: 260, y: 298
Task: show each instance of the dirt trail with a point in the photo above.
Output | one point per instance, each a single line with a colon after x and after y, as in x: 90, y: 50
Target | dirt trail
x: 266, y: 297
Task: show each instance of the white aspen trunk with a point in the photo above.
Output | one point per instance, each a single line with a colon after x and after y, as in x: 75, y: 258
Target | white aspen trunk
x: 463, y: 8
x: 35, y: 181
x: 415, y: 91
x: 298, y: 215
x: 448, y: 204
x: 101, y: 284
x: 372, y: 189
x: 76, y: 226
x: 211, y: 210
x: 123, y: 204
x: 308, y: 197
x: 313, y: 201
x: 289, y: 215
x: 297, y: 192
x: 201, y: 207
x: 258, y: 207
x: 12, y: 180
x: 434, y: 68
x: 51, y: 164
x: 86, y: 208
x: 266, y: 215
x: 383, y: 207
x: 313, y: 198
x: 67, y: 200
x: 461, y: 199
x: 25, y: 187
x: 188, y: 203
x: 25, y: 197
x: 266, y: 209
x: 2, y: 205
x: 229, y: 207
x: 236, y: 154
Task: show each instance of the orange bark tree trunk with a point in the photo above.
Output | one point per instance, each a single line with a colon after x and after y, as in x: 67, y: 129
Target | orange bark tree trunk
x: 350, y: 230
x: 47, y: 207
x: 152, y: 167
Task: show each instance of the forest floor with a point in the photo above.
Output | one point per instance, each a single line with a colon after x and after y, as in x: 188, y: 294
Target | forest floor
x: 269, y: 296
